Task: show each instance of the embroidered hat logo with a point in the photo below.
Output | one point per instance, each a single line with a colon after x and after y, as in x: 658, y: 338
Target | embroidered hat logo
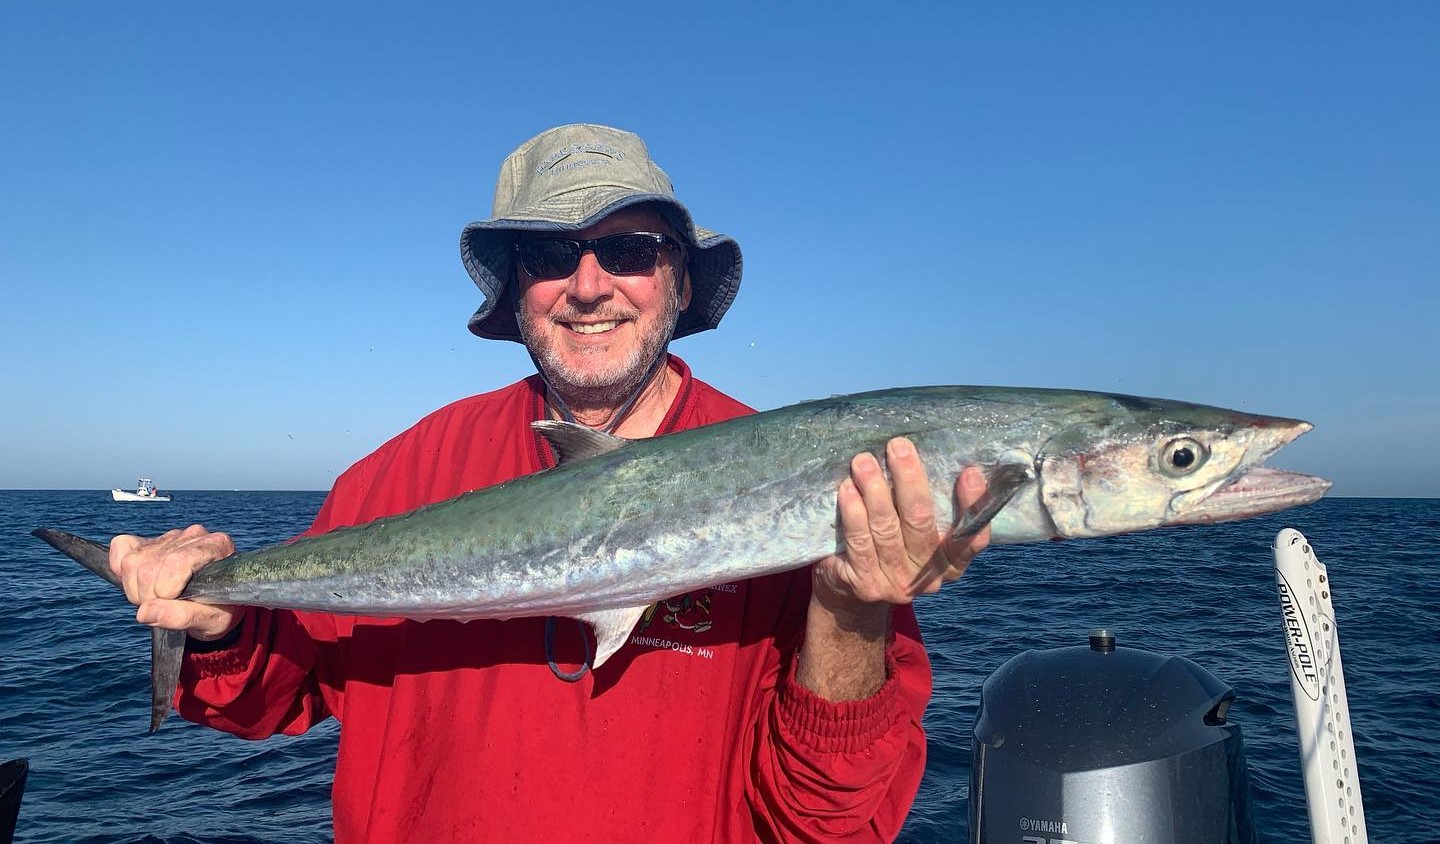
x: 556, y: 163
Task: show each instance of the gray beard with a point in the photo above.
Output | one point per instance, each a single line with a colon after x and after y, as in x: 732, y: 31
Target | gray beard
x: 610, y: 388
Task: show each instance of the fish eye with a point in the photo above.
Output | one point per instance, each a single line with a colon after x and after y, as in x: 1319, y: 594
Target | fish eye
x: 1182, y: 455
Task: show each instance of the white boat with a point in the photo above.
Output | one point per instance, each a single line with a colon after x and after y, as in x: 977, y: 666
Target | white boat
x: 145, y: 490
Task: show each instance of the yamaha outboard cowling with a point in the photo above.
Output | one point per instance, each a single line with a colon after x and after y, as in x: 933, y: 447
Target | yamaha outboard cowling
x: 1107, y: 745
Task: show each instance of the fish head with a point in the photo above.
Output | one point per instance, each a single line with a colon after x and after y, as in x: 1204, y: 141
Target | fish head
x: 1152, y: 463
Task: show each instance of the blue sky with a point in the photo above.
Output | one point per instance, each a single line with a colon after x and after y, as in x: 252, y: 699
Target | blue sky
x: 228, y: 234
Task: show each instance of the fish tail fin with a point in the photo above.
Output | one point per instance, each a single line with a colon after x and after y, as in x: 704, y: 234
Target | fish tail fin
x: 92, y: 555
x: 167, y: 647
x: 167, y: 652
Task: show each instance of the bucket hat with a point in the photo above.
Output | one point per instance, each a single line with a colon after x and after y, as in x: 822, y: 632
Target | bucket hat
x: 566, y: 179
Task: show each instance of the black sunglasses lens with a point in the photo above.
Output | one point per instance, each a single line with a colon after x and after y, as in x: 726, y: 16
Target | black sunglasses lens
x: 626, y: 254
x: 618, y: 254
x: 549, y: 258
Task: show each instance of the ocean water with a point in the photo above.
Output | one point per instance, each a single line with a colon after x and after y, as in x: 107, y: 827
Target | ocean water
x: 74, y: 667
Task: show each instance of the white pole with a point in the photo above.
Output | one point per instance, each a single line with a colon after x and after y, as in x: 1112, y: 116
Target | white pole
x: 1317, y: 682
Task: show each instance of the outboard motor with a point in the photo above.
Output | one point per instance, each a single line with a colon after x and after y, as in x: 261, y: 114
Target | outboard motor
x: 1107, y: 745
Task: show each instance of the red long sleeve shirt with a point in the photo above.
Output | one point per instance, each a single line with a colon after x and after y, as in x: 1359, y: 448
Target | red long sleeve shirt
x: 694, y: 731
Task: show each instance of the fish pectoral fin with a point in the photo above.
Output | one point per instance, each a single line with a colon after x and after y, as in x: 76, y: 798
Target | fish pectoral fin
x: 612, y: 628
x: 572, y: 441
x: 1002, y: 483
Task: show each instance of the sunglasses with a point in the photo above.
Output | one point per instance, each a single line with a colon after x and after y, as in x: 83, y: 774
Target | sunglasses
x: 618, y: 254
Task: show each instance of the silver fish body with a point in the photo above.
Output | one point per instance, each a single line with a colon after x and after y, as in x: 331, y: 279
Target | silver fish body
x: 756, y: 495
x: 620, y: 524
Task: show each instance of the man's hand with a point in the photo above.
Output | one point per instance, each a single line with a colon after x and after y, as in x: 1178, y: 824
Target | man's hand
x: 890, y: 537
x: 155, y: 571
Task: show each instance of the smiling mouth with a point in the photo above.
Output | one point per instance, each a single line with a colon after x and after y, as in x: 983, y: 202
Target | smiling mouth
x: 593, y: 327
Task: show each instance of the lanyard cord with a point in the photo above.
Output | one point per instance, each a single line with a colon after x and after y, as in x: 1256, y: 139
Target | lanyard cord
x: 573, y: 676
x: 553, y: 399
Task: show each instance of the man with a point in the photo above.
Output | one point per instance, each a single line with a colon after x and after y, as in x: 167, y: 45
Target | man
x: 782, y: 708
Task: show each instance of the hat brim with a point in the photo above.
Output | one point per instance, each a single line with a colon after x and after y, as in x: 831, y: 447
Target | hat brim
x: 486, y: 249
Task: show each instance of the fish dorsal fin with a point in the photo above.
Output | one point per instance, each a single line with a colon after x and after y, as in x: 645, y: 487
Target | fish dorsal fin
x: 612, y: 628
x: 572, y: 441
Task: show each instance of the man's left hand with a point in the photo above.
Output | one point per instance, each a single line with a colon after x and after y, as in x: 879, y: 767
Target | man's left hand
x: 891, y: 535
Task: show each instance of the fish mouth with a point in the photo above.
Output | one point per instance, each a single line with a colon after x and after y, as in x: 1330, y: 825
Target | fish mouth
x: 1255, y: 489
x: 1255, y: 492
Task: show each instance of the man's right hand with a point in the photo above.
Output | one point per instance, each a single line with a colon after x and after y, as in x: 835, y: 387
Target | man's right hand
x: 155, y: 571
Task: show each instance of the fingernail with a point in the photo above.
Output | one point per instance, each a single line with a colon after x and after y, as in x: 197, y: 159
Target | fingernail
x: 972, y: 479
x: 901, y: 448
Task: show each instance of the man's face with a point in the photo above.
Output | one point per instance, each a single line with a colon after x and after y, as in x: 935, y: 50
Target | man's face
x: 595, y: 334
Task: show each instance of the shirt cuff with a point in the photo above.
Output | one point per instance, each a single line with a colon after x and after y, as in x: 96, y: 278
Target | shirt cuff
x: 224, y: 655
x: 843, y: 726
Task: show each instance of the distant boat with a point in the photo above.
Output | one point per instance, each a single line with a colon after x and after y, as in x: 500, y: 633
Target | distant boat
x: 145, y: 490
